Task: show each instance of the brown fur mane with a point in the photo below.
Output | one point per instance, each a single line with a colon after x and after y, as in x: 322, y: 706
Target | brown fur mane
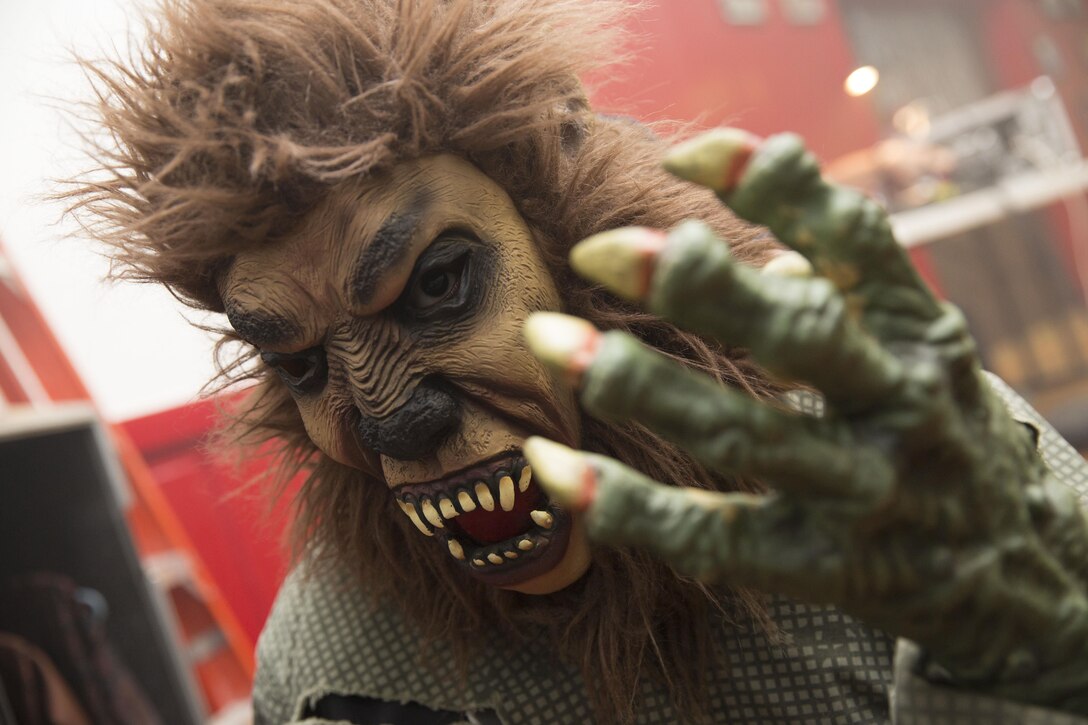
x: 239, y: 114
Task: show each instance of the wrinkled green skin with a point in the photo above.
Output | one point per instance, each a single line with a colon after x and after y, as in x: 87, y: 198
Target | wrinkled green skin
x: 916, y: 503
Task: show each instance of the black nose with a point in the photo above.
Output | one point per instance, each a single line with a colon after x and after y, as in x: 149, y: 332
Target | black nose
x: 417, y: 428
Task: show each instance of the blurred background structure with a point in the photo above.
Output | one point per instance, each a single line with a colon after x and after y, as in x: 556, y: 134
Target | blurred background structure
x: 969, y: 119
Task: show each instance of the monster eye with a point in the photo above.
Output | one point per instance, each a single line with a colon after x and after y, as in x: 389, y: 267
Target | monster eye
x: 437, y: 281
x: 304, y: 372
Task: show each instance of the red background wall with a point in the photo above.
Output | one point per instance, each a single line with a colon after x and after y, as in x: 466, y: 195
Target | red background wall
x: 689, y: 64
x: 236, y: 530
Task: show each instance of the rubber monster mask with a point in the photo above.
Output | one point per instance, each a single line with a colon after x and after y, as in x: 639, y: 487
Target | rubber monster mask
x: 393, y: 315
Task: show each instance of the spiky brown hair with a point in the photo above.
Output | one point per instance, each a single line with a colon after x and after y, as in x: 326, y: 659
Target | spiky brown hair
x: 235, y: 119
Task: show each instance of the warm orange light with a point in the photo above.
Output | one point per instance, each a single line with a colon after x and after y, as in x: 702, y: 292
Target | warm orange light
x: 861, y: 81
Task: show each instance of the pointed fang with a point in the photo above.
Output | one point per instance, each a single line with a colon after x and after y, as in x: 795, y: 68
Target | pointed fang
x: 483, y: 493
x: 543, y: 519
x: 464, y: 498
x: 446, y: 507
x: 410, y: 511
x: 431, y: 514
x: 506, y: 493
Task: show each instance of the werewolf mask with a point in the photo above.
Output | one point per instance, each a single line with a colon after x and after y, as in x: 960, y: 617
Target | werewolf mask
x: 393, y: 314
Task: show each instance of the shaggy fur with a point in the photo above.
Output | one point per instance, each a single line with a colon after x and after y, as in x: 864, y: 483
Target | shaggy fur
x: 236, y: 118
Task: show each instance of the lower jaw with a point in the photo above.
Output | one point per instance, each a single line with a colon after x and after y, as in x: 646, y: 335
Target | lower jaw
x: 548, y: 552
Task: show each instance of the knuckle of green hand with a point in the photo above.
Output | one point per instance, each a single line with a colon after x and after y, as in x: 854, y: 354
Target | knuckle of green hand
x: 928, y: 393
x: 877, y: 229
x: 620, y: 376
x: 815, y: 316
x: 782, y: 169
x: 842, y: 215
x: 828, y: 306
x: 950, y: 334
x: 693, y: 261
x: 950, y: 325
x: 783, y: 165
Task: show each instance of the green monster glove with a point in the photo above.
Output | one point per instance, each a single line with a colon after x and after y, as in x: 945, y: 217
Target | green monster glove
x: 916, y: 502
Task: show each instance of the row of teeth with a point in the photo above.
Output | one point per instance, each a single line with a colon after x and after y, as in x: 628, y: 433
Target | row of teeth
x: 479, y: 495
x: 513, y: 550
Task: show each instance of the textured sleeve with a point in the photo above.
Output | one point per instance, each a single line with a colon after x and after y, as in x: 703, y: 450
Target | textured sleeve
x: 1067, y: 465
x: 918, y: 701
x: 274, y: 694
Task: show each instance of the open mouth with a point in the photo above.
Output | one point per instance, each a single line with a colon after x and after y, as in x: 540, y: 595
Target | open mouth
x: 493, y: 519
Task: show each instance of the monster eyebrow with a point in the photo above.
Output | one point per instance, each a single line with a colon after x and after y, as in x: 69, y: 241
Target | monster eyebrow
x: 387, y: 249
x: 262, y: 329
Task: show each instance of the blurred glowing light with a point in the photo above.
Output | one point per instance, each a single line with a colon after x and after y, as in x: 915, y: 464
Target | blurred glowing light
x: 862, y: 80
x: 912, y: 120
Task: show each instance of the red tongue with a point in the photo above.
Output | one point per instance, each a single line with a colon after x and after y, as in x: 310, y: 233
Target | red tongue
x: 489, y: 527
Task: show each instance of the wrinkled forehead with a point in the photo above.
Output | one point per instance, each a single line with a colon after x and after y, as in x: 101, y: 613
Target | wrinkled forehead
x: 358, y: 246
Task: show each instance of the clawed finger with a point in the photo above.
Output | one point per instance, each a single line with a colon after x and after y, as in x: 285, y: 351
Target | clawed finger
x: 800, y: 329
x: 620, y: 379
x: 756, y: 540
x: 776, y: 183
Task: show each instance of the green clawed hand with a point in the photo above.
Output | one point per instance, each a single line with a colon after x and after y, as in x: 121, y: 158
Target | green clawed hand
x: 916, y: 502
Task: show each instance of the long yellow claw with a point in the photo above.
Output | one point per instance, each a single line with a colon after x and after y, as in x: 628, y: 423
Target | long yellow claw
x: 716, y: 159
x: 566, y: 474
x: 565, y: 344
x: 621, y: 259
